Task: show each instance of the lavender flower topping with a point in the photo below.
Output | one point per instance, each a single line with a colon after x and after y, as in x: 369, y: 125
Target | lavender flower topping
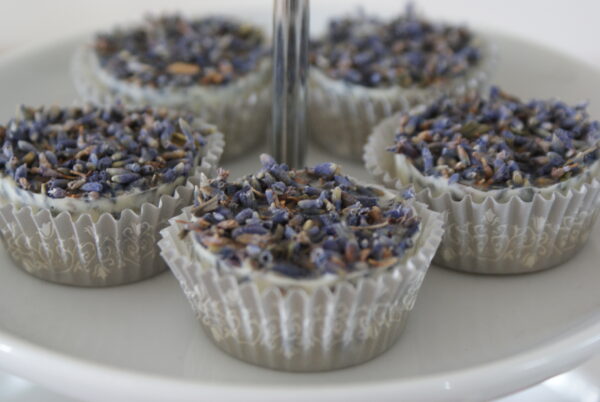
x: 309, y: 226
x: 174, y: 51
x: 91, y: 152
x: 407, y: 51
x: 499, y: 142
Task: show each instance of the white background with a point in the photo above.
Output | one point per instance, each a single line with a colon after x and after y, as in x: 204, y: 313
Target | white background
x: 570, y: 26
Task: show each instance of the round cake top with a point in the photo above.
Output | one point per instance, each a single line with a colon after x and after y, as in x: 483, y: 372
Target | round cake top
x: 301, y: 223
x: 499, y: 142
x: 94, y: 152
x: 407, y: 51
x: 174, y: 51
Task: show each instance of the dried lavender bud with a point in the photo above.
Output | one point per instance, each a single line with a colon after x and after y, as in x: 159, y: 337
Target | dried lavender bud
x: 57, y: 192
x: 267, y: 161
x: 500, y: 141
x: 125, y: 178
x: 171, y: 50
x: 301, y: 228
x: 407, y: 51
x: 84, y: 151
x: 94, y: 186
x: 326, y: 170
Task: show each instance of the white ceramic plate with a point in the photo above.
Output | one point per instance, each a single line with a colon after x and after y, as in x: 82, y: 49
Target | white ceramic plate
x: 580, y: 384
x: 469, y: 336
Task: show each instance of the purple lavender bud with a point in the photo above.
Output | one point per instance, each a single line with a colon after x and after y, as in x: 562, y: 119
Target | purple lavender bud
x: 555, y: 159
x: 249, y: 229
x: 54, y: 182
x: 105, y: 162
x: 186, y: 128
x: 395, y: 213
x: 291, y: 270
x: 412, y: 230
x: 169, y: 176
x: 342, y: 181
x: 315, y: 234
x: 311, y: 191
x: 269, y: 195
x: 51, y: 158
x: 309, y: 204
x: 324, y: 195
x: 147, y: 170
x: 319, y: 256
x: 265, y: 258
x: 512, y: 166
x: 26, y: 146
x: 408, y: 194
x: 247, y: 199
x: 125, y: 178
x: 453, y: 178
x: 134, y: 167
x: 280, y: 217
x: 564, y: 137
x: 289, y: 233
x: 282, y: 175
x: 401, y: 248
x: 367, y: 201
x: 65, y: 143
x: 21, y: 172
x: 427, y: 159
x: 279, y: 187
x: 253, y: 250
x: 7, y: 150
x: 326, y: 169
x: 57, y: 192
x: 331, y: 244
x: 494, y: 92
x: 88, y: 187
x: 267, y: 161
x: 227, y: 253
x: 502, y: 172
x: 557, y: 144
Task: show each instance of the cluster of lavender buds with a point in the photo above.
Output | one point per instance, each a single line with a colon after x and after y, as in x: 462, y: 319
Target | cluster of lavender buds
x: 499, y: 142
x: 89, y: 152
x: 301, y: 223
x: 174, y: 51
x: 407, y: 51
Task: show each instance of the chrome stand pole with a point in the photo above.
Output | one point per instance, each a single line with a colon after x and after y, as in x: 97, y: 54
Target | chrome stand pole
x: 290, y: 69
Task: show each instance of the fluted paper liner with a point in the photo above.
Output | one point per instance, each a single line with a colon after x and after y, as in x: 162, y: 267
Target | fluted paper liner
x: 342, y: 115
x: 83, y: 251
x: 486, y: 235
x: 241, y: 109
x: 306, y: 327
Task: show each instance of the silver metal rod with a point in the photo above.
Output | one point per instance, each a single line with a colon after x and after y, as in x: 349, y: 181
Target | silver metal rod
x: 290, y: 68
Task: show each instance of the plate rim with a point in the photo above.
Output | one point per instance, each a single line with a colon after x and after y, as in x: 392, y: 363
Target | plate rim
x: 521, y: 369
x: 30, y: 361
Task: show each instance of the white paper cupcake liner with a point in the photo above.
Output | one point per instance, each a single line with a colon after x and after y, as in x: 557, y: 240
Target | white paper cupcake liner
x: 342, y: 115
x: 308, y: 326
x: 241, y: 110
x: 85, y: 250
x: 491, y: 236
